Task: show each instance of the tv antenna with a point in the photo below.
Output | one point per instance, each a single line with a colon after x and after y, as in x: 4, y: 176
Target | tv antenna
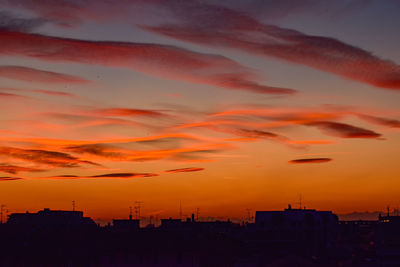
x: 180, y: 210
x: 300, y: 201
x: 137, y: 209
x: 249, y: 217
x: 2, y: 206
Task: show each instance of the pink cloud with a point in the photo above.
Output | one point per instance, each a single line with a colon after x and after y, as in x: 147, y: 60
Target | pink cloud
x: 55, y: 93
x: 36, y: 75
x: 127, y: 112
x: 160, y: 60
x: 381, y: 121
x: 218, y: 26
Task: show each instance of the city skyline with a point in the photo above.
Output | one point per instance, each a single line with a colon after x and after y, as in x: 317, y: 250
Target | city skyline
x: 217, y: 105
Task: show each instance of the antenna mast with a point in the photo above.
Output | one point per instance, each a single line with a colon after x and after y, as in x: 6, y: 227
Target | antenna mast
x: 137, y: 209
x: 2, y: 206
x: 180, y: 210
x: 249, y: 215
x: 300, y: 202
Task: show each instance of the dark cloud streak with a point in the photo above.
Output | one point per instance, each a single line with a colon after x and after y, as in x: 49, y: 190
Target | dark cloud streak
x: 51, y: 158
x: 189, y: 169
x: 310, y: 160
x: 344, y: 130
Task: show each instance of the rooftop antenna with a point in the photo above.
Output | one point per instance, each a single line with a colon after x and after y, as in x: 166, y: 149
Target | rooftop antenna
x: 300, y: 201
x: 137, y: 209
x: 2, y: 206
x: 248, y: 215
x: 73, y: 205
x: 130, y: 213
x: 180, y: 209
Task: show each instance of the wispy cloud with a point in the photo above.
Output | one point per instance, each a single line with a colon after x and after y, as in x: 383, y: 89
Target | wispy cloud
x: 13, y: 169
x: 55, y: 93
x: 9, y: 95
x: 214, y: 25
x: 36, y: 75
x: 50, y: 158
x: 310, y: 160
x: 128, y: 112
x: 313, y: 118
x: 40, y: 91
x: 344, y: 130
x: 118, y: 175
x: 6, y: 178
x: 102, y: 150
x: 189, y: 169
x: 381, y: 121
x: 11, y: 22
x: 124, y: 175
x: 235, y: 26
x: 160, y: 60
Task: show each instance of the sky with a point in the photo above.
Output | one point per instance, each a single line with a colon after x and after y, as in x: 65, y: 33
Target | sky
x: 215, y: 106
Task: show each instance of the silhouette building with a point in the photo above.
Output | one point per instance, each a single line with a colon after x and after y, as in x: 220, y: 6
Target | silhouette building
x: 387, y: 240
x: 302, y: 228
x: 126, y: 224
x: 47, y: 218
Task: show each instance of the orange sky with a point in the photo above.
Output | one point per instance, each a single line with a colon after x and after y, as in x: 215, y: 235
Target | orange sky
x: 217, y: 106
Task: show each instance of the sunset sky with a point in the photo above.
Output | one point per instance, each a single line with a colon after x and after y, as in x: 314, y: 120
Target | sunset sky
x: 218, y: 105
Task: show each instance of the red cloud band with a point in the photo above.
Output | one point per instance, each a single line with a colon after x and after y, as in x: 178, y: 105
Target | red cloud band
x: 160, y: 60
x: 36, y: 75
x: 219, y: 26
